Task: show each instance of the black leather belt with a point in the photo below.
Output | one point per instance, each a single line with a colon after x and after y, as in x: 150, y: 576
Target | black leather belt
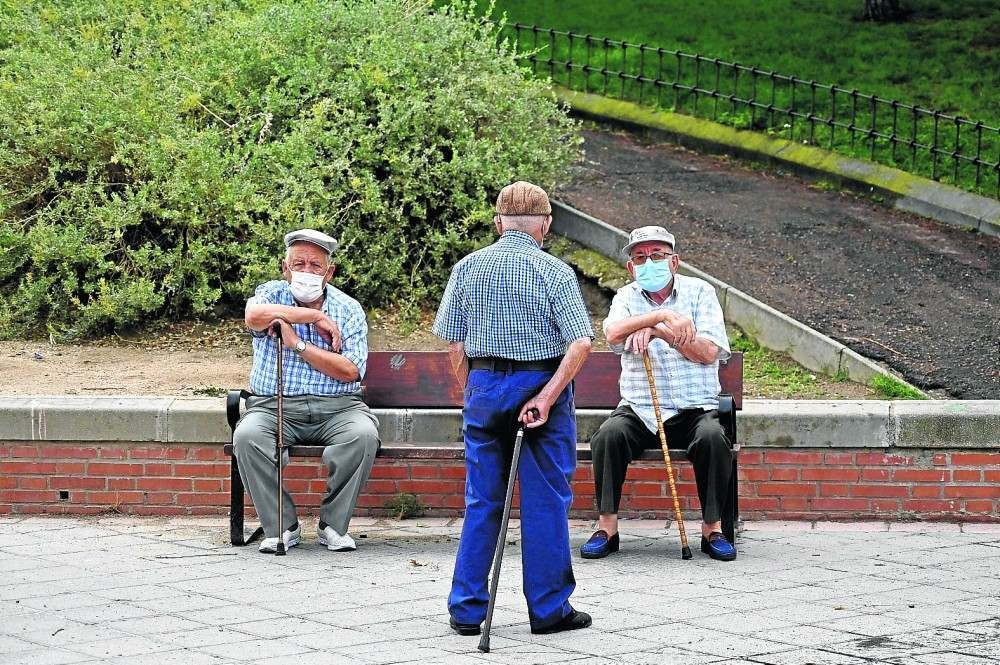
x: 504, y: 365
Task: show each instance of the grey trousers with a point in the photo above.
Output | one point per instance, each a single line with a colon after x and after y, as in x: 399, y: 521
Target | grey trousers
x: 623, y: 437
x: 344, y: 424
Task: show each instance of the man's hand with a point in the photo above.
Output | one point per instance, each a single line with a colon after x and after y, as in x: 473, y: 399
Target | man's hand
x: 638, y: 341
x: 535, y: 411
x: 288, y: 337
x: 680, y: 328
x: 329, y: 331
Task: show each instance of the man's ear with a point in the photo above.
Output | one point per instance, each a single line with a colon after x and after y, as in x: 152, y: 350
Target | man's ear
x: 498, y: 223
x: 329, y: 272
x: 547, y: 225
x: 630, y: 267
x: 284, y: 268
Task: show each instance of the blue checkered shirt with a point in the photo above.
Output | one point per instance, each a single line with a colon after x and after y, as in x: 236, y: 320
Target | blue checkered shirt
x: 300, y: 377
x: 680, y: 383
x: 512, y: 300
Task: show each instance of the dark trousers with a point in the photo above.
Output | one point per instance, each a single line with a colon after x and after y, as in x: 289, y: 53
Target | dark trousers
x: 623, y: 437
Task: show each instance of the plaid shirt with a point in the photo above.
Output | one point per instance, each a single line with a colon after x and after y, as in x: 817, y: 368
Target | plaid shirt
x: 300, y: 377
x: 512, y: 300
x: 680, y: 383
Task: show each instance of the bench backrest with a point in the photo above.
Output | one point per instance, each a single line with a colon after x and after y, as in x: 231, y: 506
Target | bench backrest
x: 397, y: 379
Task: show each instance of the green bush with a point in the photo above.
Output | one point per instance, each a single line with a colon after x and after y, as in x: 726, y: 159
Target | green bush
x: 153, y: 153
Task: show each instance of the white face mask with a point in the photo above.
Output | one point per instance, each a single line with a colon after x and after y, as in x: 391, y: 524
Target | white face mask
x: 306, y: 287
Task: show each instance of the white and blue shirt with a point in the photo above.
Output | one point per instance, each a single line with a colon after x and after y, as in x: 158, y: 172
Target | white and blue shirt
x: 680, y: 383
x: 512, y: 300
x: 300, y: 378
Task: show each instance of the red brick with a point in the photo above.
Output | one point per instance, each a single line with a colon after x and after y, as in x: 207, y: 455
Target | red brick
x: 72, y: 452
x: 206, y: 485
x: 7, y: 482
x: 16, y: 468
x: 647, y: 473
x: 70, y: 468
x: 973, y: 491
x: 758, y: 504
x: 786, y: 489
x: 838, y: 458
x: 967, y: 475
x: 218, y: 470
x: 794, y: 503
x: 453, y: 502
x: 753, y: 474
x: 202, y: 499
x: 33, y: 483
x: 164, y: 510
x: 77, y: 509
x: 382, y: 471
x: 647, y: 489
x: 827, y: 473
x: 23, y: 451
x: 750, y: 457
x: 424, y: 472
x: 419, y: 487
x: 121, y: 483
x: 991, y: 476
x: 785, y: 473
x: 940, y: 459
x: 652, y: 503
x: 925, y: 491
x: 880, y: 490
x: 979, y: 506
x: 29, y: 496
x: 458, y: 473
x: 930, y: 506
x: 114, y: 469
x: 297, y: 485
x: 112, y: 453
x: 113, y: 498
x: 975, y: 459
x: 881, y: 459
x: 875, y: 474
x: 838, y: 504
x: 78, y: 482
x: 792, y: 457
x: 158, y: 452
x: 834, y: 489
x: 158, y: 498
x: 159, y: 469
x: 208, y: 454
x: 164, y: 484
x: 921, y: 475
x: 884, y: 506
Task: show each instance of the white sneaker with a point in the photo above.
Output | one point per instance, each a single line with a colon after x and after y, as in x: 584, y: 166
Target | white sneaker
x: 336, y: 542
x: 291, y: 538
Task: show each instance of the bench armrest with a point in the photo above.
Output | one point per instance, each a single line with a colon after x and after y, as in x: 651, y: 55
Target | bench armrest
x: 233, y: 399
x: 727, y: 416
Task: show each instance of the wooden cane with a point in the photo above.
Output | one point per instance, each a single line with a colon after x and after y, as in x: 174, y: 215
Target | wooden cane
x: 685, y: 549
x: 279, y: 550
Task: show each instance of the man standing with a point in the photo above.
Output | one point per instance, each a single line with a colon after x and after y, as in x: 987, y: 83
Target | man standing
x: 325, y: 350
x: 678, y: 321
x: 518, y: 332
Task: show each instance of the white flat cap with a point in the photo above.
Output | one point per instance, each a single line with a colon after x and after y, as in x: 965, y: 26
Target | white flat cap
x: 317, y: 238
x: 648, y: 234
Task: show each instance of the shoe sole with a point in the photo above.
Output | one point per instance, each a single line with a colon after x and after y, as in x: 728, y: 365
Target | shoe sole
x: 717, y: 557
x: 292, y: 543
x: 322, y: 541
x: 552, y: 629
x: 596, y: 555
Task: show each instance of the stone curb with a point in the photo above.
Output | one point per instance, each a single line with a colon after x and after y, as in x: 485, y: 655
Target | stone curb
x: 771, y: 328
x: 762, y: 423
x: 908, y: 192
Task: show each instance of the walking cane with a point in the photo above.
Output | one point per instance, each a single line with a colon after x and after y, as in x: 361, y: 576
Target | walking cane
x: 484, y: 641
x: 280, y: 440
x: 685, y: 549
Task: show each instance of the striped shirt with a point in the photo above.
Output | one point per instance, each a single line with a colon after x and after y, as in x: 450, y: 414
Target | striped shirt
x: 300, y: 378
x: 512, y: 300
x: 680, y: 383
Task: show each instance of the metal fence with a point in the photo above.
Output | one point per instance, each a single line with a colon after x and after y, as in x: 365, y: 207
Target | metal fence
x: 923, y: 141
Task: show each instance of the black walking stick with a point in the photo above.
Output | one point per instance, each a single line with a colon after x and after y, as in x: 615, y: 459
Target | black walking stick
x: 280, y: 440
x: 484, y: 641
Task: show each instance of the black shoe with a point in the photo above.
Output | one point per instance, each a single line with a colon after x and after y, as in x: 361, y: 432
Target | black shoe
x: 600, y: 545
x: 572, y: 621
x: 717, y: 547
x: 464, y: 628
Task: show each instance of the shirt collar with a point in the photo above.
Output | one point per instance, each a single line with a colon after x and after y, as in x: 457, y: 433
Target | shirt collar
x: 514, y: 238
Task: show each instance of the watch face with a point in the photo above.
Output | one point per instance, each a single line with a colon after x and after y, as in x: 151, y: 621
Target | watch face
x: 300, y: 346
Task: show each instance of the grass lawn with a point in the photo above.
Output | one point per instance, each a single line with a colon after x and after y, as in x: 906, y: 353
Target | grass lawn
x: 946, y: 55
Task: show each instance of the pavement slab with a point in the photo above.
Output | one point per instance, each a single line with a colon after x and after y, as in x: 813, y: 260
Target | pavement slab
x: 155, y: 590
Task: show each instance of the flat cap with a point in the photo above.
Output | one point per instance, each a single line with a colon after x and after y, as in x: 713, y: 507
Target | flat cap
x: 317, y: 238
x: 523, y: 198
x: 648, y: 234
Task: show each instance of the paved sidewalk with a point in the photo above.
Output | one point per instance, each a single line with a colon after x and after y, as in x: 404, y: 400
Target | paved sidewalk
x: 144, y: 590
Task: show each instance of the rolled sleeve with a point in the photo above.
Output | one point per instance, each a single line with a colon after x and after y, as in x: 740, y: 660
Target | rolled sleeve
x: 619, y: 310
x: 354, y: 342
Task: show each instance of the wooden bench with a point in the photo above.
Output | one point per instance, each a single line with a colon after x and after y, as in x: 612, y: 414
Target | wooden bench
x: 423, y: 379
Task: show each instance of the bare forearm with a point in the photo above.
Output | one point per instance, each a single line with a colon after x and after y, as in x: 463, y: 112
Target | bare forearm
x: 259, y: 317
x: 699, y: 350
x: 459, y: 362
x: 571, y: 363
x: 331, y: 364
x: 617, y: 331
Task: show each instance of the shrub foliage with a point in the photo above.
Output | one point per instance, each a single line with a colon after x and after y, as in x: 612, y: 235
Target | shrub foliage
x: 153, y: 153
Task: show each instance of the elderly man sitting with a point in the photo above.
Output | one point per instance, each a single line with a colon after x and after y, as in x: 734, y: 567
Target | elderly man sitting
x: 325, y: 349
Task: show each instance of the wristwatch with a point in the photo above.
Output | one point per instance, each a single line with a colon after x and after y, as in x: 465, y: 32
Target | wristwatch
x: 299, y: 347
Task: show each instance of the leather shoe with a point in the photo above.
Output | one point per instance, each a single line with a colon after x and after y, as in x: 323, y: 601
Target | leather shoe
x: 464, y: 628
x: 599, y: 546
x: 572, y: 621
x: 717, y: 547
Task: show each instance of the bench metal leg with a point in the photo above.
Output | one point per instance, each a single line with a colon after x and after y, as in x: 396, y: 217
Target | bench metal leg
x: 235, y: 504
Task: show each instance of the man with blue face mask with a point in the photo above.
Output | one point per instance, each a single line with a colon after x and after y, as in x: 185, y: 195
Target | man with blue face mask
x: 677, y: 320
x: 324, y: 349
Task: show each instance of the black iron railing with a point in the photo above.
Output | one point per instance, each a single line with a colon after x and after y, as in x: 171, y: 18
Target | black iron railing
x: 919, y: 140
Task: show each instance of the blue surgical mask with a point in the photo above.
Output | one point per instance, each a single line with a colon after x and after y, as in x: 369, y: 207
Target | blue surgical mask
x: 653, y: 276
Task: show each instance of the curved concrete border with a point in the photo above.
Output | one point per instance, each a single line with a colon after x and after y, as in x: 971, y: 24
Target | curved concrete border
x: 771, y: 328
x: 763, y: 423
x: 908, y: 192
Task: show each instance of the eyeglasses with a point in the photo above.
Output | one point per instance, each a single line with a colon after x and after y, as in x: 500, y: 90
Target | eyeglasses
x: 639, y: 259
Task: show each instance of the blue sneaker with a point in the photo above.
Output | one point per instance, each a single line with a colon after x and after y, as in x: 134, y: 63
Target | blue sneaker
x: 717, y: 547
x: 599, y: 546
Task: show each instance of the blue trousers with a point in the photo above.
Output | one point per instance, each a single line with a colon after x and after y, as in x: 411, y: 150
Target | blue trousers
x: 548, y: 460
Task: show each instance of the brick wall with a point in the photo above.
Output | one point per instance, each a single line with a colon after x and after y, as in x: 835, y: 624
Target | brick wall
x: 157, y: 479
